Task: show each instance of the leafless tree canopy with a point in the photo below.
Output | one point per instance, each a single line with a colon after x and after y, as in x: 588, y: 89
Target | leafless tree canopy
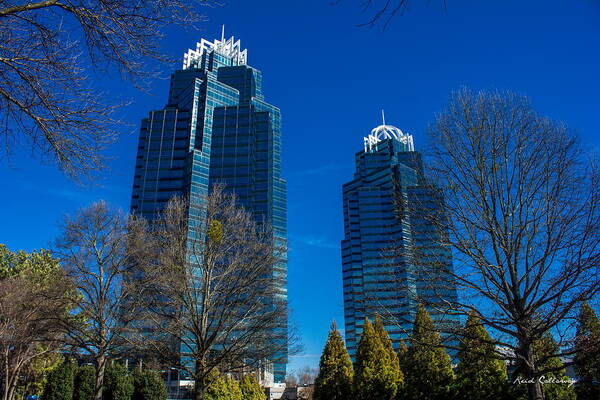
x: 98, y: 248
x: 46, y: 50
x: 522, y: 202
x: 210, y: 289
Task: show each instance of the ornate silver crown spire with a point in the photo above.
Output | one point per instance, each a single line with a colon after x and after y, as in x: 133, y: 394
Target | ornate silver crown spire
x: 229, y: 48
x: 383, y: 132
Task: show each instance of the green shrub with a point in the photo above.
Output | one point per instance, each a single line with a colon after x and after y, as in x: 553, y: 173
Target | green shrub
x: 118, y: 383
x: 85, y: 383
x: 148, y: 385
x: 59, y: 385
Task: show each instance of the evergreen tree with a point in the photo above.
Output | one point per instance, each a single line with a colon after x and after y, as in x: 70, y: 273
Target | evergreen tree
x: 587, y: 359
x: 118, y: 383
x: 148, y: 385
x: 224, y: 388
x: 235, y: 391
x: 402, y: 358
x: 391, y: 371
x: 60, y: 383
x: 251, y: 389
x: 375, y: 377
x: 479, y: 374
x: 334, y: 381
x: 33, y: 381
x: 428, y: 372
x: 85, y: 382
x: 555, y: 382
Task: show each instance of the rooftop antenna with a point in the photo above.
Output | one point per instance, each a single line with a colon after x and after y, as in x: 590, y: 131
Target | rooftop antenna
x: 223, y: 33
x: 383, y: 116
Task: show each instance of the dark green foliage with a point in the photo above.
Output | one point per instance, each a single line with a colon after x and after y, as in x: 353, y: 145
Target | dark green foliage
x: 250, y: 388
x: 118, y: 383
x: 148, y: 385
x: 377, y: 373
x: 552, y: 372
x: 587, y: 359
x: 427, y: 370
x: 60, y: 383
x: 479, y: 373
x: 85, y: 381
x: 334, y: 381
x: 224, y: 388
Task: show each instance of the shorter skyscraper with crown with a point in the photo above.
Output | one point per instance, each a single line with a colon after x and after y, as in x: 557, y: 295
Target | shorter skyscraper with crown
x: 392, y: 256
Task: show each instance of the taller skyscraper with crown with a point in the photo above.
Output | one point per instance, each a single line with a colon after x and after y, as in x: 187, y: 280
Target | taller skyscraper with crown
x: 217, y: 128
x: 392, y: 253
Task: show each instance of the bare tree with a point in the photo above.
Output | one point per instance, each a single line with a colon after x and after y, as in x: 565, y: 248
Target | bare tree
x: 32, y: 298
x: 48, y: 49
x: 304, y: 376
x: 211, y: 291
x: 521, y: 201
x: 384, y: 10
x: 97, y: 249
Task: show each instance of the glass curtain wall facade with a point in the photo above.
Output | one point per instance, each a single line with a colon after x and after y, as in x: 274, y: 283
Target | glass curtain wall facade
x: 391, y: 252
x: 216, y: 128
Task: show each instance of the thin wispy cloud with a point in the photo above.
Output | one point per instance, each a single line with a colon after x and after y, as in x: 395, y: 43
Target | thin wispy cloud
x: 311, y: 355
x: 319, y: 170
x: 314, y: 241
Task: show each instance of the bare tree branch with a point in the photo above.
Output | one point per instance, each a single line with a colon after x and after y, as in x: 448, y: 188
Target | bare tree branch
x: 48, y: 50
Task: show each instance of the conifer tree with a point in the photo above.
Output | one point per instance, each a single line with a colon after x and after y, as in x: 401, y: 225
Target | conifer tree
x: 118, y: 383
x: 373, y: 377
x: 479, y: 373
x: 587, y: 358
x: 60, y: 383
x: 148, y: 385
x: 334, y: 381
x: 235, y: 392
x: 402, y: 359
x: 402, y: 356
x: 428, y: 372
x: 85, y: 382
x: 555, y: 381
x: 251, y: 389
x: 391, y: 369
x: 224, y: 388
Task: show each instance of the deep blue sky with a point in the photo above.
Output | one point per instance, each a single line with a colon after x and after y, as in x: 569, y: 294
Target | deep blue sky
x: 331, y: 78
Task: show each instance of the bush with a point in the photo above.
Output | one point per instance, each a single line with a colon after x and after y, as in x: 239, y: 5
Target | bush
x: 85, y: 383
x: 118, y: 383
x: 251, y: 389
x: 148, y: 385
x: 60, y: 382
x: 224, y: 388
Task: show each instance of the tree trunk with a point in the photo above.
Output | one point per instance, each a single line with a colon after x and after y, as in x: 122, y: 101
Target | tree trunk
x: 535, y: 390
x: 100, y: 367
x: 199, y: 382
x: 4, y: 382
x: 11, y: 386
x: 11, y: 377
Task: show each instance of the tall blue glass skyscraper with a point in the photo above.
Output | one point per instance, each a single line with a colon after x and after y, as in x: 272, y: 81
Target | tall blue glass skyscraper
x: 391, y: 253
x: 217, y: 129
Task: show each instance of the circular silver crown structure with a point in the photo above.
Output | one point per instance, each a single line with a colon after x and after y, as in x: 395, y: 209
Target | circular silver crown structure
x: 383, y: 132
